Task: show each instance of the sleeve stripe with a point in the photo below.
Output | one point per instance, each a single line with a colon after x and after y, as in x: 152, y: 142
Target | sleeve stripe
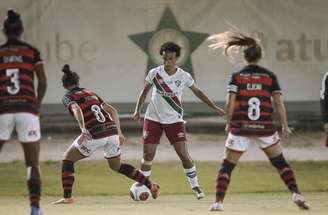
x: 232, y: 88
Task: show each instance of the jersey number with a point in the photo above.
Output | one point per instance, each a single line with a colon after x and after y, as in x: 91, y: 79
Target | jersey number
x: 254, y: 111
x: 13, y: 74
x: 98, y: 114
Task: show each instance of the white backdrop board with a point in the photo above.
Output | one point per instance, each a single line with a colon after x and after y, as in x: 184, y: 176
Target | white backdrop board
x: 110, y: 43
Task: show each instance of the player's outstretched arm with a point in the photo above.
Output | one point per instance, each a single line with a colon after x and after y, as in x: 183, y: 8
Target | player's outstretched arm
x: 141, y: 101
x: 202, y: 96
x: 279, y: 104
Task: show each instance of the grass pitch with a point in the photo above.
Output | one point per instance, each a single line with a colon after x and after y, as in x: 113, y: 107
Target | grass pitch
x: 255, y: 189
x: 235, y: 204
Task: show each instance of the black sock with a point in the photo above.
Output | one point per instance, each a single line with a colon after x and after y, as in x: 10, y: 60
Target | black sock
x: 133, y: 173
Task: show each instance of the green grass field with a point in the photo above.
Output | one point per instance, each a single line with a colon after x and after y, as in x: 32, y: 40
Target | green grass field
x: 255, y: 189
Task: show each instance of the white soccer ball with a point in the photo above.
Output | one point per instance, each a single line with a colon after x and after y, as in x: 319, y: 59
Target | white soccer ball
x: 139, y: 192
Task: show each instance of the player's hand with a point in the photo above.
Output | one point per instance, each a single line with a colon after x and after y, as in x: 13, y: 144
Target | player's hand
x: 136, y: 116
x: 227, y: 128
x: 121, y: 139
x: 85, y: 136
x: 286, y: 132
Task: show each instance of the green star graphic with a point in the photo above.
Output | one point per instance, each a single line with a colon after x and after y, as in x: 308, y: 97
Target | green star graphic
x: 168, y: 29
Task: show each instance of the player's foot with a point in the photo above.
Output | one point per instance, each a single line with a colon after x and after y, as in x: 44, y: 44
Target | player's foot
x: 36, y: 211
x: 155, y: 190
x: 216, y: 206
x: 300, y: 202
x: 198, y: 192
x: 63, y: 201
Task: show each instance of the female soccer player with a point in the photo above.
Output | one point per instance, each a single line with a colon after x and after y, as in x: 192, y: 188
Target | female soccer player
x: 165, y: 112
x: 19, y: 103
x: 249, y: 114
x: 100, y: 128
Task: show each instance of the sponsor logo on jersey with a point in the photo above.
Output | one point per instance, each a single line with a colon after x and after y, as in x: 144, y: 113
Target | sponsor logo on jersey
x: 85, y: 149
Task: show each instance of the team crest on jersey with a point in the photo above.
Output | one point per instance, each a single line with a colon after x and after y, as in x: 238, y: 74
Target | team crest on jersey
x: 177, y: 83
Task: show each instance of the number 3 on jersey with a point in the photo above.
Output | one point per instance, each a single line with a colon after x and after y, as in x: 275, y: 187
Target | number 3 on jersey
x: 14, y: 79
x: 98, y: 114
x: 254, y: 111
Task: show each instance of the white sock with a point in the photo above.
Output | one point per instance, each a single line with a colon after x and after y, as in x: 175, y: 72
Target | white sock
x: 192, y: 176
x: 146, y: 173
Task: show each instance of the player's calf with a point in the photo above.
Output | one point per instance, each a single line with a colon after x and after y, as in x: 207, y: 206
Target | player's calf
x: 286, y: 173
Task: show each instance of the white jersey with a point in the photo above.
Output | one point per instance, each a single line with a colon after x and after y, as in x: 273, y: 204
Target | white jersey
x: 165, y: 103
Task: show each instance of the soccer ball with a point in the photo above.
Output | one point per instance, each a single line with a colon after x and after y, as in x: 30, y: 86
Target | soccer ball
x: 139, y: 192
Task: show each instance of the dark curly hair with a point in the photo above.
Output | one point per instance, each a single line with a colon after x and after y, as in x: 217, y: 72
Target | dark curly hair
x: 13, y: 25
x: 69, y: 78
x: 170, y: 47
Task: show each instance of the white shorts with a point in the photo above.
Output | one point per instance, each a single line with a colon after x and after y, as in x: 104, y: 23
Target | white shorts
x: 27, y: 126
x: 111, y: 146
x: 240, y: 143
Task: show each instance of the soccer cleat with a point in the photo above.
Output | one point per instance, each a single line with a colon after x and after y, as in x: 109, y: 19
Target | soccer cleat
x: 216, y: 206
x: 300, y: 202
x: 63, y: 201
x: 36, y: 211
x: 198, y: 192
x: 155, y: 190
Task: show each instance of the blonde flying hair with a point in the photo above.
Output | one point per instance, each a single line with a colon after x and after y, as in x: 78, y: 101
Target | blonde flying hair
x: 234, y: 41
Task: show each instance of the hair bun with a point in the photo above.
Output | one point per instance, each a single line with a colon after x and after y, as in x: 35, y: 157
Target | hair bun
x: 12, y: 16
x: 66, y: 69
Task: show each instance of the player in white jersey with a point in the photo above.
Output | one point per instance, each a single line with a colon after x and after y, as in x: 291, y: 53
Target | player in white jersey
x: 165, y: 112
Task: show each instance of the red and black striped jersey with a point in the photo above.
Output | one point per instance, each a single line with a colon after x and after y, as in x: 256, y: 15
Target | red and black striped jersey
x: 17, y: 63
x: 97, y: 121
x: 253, y: 86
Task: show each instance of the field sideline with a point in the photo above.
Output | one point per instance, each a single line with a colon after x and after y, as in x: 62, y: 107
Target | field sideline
x: 255, y: 189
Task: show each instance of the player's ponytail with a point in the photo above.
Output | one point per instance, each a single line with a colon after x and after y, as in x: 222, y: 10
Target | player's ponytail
x: 13, y: 25
x: 69, y: 78
x: 234, y: 41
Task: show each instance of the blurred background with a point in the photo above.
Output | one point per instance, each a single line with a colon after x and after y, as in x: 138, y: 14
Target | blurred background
x: 113, y: 43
